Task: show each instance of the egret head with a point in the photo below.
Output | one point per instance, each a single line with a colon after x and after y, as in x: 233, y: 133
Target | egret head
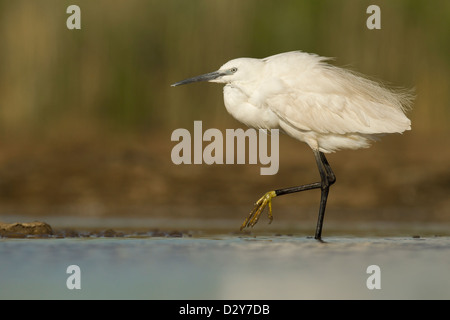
x: 240, y: 69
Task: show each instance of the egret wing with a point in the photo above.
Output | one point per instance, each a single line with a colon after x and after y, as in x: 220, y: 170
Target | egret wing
x: 328, y: 99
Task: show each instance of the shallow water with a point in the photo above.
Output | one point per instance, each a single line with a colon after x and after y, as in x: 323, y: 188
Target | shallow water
x: 225, y: 267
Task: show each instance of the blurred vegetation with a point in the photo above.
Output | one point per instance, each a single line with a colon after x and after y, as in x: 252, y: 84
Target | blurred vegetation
x: 86, y: 115
x: 115, y: 73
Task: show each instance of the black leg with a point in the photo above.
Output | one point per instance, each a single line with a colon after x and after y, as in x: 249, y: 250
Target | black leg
x: 324, y: 168
x: 330, y: 174
x: 327, y: 178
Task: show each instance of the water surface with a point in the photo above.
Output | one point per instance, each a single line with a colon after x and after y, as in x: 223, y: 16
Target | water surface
x: 225, y: 267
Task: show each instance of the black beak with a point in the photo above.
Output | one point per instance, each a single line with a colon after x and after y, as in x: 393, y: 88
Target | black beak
x: 204, y: 77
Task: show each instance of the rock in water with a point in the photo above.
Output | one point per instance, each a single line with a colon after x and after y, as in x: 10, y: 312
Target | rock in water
x: 21, y: 230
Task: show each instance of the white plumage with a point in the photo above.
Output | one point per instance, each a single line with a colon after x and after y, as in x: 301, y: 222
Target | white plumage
x: 327, y: 107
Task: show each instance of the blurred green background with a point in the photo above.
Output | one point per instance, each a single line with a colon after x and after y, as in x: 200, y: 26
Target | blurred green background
x: 86, y: 115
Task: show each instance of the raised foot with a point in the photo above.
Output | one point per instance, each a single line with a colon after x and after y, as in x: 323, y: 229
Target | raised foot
x: 253, y: 217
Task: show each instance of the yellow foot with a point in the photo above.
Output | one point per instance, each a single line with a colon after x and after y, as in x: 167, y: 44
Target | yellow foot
x: 253, y: 217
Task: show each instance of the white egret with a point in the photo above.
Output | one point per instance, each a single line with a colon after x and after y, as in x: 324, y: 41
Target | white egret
x: 327, y: 107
